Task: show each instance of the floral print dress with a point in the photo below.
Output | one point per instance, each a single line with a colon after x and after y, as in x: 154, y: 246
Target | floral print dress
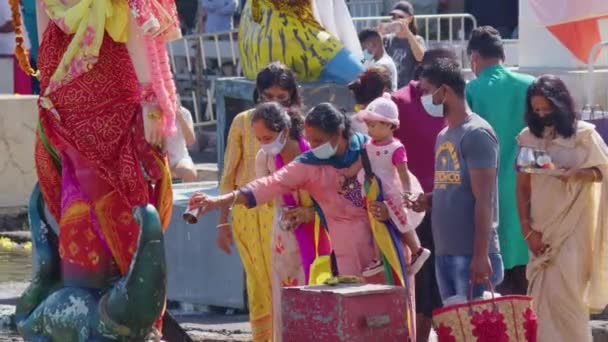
x: 286, y: 264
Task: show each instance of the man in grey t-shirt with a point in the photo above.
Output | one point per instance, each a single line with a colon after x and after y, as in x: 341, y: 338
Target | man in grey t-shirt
x: 464, y: 198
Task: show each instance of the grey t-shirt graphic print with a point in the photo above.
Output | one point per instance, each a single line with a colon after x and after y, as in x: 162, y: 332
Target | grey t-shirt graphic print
x: 471, y: 145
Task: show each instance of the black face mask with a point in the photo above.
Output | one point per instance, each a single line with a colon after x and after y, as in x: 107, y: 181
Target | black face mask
x: 548, y: 120
x: 545, y: 121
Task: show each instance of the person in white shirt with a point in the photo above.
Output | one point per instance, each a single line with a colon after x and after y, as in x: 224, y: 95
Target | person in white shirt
x: 375, y: 54
x: 180, y: 161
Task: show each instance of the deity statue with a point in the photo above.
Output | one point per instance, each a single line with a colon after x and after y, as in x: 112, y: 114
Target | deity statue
x: 315, y: 38
x: 107, y: 104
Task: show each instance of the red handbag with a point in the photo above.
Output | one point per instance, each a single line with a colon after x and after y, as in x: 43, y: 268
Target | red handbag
x: 500, y: 319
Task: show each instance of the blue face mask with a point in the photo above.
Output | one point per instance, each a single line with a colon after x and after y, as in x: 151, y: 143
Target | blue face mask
x: 276, y: 146
x: 324, y: 151
x: 367, y: 56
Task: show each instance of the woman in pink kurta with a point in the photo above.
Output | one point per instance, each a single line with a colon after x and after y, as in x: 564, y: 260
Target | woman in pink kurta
x: 317, y: 171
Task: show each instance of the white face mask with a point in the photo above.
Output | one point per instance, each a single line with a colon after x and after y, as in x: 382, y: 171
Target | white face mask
x: 324, y: 151
x: 431, y: 108
x: 367, y: 56
x: 276, y: 146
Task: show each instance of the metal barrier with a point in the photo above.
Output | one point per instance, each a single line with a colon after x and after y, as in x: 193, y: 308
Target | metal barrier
x: 365, y: 8
x: 433, y: 25
x: 591, y: 63
x: 199, y: 60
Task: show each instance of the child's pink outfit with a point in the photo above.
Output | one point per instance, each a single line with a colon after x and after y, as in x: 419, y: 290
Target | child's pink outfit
x: 384, y: 159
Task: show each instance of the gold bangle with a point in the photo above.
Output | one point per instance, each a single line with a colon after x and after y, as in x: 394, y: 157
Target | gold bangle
x: 222, y: 225
x: 528, y: 235
x: 235, y: 193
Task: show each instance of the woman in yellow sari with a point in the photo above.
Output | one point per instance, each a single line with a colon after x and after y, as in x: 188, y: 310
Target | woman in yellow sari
x: 564, y: 218
x: 252, y: 228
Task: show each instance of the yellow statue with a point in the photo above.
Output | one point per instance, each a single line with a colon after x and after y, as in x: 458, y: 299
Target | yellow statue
x: 290, y: 31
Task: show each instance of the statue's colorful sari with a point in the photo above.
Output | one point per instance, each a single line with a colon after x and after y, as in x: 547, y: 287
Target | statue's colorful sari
x: 90, y: 162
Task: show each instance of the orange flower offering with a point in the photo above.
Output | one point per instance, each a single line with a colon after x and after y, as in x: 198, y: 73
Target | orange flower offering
x: 23, y: 56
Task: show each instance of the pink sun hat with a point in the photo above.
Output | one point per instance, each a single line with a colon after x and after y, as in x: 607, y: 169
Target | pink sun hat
x: 382, y: 109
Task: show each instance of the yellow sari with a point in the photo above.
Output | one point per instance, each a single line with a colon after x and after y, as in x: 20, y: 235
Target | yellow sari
x: 252, y: 228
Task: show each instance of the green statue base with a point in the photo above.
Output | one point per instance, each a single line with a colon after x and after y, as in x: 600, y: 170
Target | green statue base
x: 52, y: 310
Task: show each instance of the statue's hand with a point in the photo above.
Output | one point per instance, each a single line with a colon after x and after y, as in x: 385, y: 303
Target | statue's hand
x: 153, y: 125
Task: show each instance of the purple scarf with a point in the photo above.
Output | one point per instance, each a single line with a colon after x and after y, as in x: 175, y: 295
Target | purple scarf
x: 304, y: 232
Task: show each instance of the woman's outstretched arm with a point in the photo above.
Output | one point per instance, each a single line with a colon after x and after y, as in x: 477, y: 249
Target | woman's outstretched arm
x: 294, y: 176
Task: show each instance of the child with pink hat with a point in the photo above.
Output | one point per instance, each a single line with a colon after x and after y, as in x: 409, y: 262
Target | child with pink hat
x: 388, y: 161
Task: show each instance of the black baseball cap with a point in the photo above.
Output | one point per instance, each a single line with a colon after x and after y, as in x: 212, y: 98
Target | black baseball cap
x: 403, y: 8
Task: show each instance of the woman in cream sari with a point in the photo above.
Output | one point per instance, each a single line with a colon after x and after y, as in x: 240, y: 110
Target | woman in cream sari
x: 564, y: 218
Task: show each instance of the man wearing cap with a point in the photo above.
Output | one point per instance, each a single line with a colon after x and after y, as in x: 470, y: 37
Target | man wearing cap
x: 420, y: 6
x: 403, y: 43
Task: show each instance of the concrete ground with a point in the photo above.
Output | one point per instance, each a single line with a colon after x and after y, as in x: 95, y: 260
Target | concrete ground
x: 201, y: 326
x: 208, y: 326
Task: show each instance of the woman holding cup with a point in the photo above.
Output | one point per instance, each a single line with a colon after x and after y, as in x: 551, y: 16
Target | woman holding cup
x: 334, y: 148
x: 562, y: 195
x: 250, y: 228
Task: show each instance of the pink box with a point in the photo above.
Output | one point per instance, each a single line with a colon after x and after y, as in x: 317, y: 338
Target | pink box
x: 347, y: 312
